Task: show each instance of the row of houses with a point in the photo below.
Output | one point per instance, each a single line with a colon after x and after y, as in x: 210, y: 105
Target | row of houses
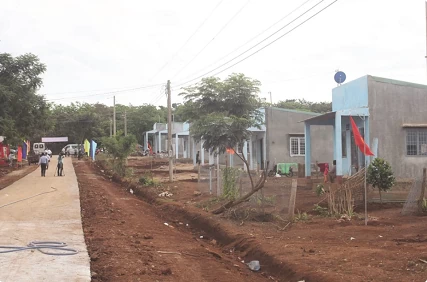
x: 390, y: 114
x: 280, y: 139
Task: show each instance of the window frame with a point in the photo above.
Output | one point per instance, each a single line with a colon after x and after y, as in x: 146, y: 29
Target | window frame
x: 417, y: 132
x: 298, y: 138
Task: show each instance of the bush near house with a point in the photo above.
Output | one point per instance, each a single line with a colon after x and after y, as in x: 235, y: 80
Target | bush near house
x: 380, y: 175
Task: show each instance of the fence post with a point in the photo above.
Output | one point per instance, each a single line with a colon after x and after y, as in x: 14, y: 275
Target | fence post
x: 423, y: 189
x: 292, y: 199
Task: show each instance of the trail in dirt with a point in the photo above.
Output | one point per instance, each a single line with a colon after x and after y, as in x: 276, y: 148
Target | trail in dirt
x: 125, y: 237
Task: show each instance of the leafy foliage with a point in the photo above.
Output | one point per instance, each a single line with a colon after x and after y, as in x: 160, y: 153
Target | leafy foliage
x: 303, y: 105
x: 229, y: 179
x: 323, y: 211
x: 23, y: 114
x: 320, y: 190
x: 221, y: 112
x: 380, y: 175
x: 120, y: 148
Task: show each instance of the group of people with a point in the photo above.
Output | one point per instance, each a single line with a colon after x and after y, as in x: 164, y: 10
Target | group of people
x: 44, y: 163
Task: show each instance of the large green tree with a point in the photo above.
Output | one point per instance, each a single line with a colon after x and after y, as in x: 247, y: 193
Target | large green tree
x: 23, y: 113
x: 221, y: 113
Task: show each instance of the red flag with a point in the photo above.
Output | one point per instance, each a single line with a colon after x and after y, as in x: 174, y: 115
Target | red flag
x: 19, y: 154
x: 359, y: 140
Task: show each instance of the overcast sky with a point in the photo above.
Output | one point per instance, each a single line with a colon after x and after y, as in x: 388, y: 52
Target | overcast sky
x: 94, y: 47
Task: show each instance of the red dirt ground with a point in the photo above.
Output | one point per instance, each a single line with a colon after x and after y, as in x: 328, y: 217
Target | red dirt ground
x: 125, y: 237
x: 388, y: 249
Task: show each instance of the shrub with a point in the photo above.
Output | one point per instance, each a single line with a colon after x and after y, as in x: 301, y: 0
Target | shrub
x: 230, y: 190
x: 380, y: 175
x: 320, y: 190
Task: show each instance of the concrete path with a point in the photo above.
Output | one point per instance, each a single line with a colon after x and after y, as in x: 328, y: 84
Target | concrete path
x: 52, y: 216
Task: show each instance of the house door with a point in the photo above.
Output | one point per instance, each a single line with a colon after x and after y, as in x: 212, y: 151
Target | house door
x: 357, y: 157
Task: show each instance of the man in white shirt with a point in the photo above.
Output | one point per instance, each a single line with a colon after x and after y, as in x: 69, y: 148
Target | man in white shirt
x: 48, y: 159
x: 43, y: 162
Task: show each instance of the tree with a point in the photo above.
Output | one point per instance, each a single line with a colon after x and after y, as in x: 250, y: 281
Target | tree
x: 80, y: 121
x: 303, y: 105
x: 221, y: 113
x: 23, y: 114
x: 120, y: 148
x: 380, y: 175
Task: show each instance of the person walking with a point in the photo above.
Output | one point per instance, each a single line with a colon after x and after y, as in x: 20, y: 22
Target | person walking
x: 60, y: 165
x: 43, y: 163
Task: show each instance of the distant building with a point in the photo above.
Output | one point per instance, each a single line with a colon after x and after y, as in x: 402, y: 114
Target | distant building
x: 279, y: 140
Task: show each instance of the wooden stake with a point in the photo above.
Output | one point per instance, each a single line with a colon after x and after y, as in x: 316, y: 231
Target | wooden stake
x: 292, y: 199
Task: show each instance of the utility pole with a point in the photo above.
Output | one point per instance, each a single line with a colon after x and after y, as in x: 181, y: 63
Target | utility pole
x: 111, y: 127
x: 114, y: 115
x: 168, y: 89
x: 126, y: 125
x: 426, y: 36
x: 271, y: 98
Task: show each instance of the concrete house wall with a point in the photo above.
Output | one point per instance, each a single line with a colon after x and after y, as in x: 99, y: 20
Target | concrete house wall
x: 392, y: 104
x: 282, y: 124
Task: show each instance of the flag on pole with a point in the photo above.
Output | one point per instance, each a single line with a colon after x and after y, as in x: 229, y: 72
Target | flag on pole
x: 19, y: 157
x: 358, y: 139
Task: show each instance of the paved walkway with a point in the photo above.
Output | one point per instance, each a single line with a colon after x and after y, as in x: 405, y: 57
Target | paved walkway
x: 49, y: 217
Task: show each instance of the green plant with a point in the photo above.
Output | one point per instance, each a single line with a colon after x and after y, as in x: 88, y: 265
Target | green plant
x: 148, y: 181
x: 301, y: 216
x: 380, y: 175
x: 320, y: 190
x: 120, y: 147
x: 229, y: 178
x: 321, y: 210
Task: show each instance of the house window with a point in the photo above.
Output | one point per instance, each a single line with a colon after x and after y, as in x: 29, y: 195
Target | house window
x: 416, y: 142
x: 297, y: 145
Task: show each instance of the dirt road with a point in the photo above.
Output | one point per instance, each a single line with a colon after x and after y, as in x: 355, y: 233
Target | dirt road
x: 128, y: 240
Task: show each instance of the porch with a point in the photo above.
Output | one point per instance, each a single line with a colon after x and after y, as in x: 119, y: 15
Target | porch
x: 348, y: 157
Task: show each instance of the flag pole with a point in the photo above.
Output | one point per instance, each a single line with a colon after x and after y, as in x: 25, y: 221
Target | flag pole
x: 364, y: 155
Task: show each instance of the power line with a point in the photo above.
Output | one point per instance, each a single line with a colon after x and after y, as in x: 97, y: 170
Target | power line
x: 261, y: 42
x: 188, y: 40
x: 107, y: 93
x: 256, y: 36
x: 160, y: 96
x: 213, y: 38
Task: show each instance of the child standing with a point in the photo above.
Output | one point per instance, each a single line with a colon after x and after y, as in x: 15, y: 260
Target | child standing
x: 326, y: 173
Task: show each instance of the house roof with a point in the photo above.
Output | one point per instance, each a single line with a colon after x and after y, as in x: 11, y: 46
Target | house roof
x: 397, y: 82
x: 182, y: 133
x: 295, y: 111
x: 323, y: 117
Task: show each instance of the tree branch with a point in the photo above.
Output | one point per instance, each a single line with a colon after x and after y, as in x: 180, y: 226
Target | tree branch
x: 242, y: 199
x: 247, y: 167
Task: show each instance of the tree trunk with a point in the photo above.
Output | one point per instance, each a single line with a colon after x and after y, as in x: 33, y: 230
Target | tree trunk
x: 381, y: 199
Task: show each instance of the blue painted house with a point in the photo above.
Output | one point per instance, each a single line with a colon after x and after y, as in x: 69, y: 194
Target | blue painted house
x: 391, y: 114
